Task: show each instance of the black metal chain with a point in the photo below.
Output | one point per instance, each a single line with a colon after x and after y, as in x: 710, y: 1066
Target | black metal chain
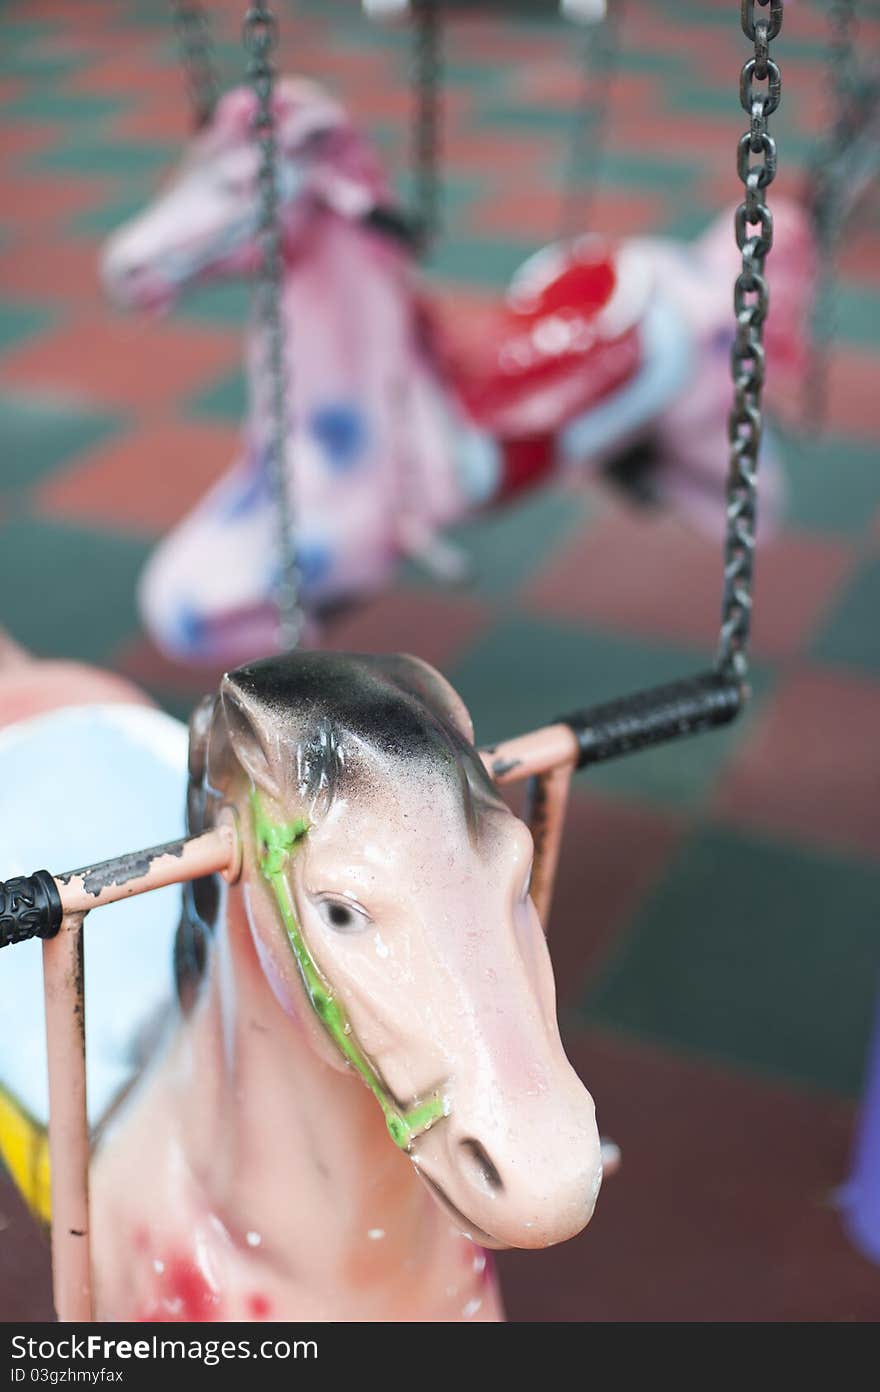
x: 197, y: 56
x: 427, y: 61
x: 260, y: 39
x: 598, y: 69
x: 760, y: 90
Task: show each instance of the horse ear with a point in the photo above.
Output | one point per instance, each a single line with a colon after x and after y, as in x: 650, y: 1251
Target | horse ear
x: 424, y: 681
x: 247, y: 736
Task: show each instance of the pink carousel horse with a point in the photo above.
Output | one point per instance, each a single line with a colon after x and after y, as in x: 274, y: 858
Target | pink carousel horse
x: 403, y: 423
x: 361, y: 1085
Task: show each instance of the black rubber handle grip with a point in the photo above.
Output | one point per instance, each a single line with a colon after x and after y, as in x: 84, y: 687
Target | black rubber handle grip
x: 30, y: 907
x: 654, y: 716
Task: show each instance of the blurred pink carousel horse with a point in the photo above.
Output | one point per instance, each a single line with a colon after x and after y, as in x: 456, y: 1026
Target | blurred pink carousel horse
x: 405, y: 421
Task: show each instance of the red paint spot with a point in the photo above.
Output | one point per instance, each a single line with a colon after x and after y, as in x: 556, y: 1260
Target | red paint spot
x: 186, y: 1289
x: 183, y: 1294
x: 258, y: 1306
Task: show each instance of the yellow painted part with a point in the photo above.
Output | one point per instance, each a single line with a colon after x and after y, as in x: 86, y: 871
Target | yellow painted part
x: 24, y: 1148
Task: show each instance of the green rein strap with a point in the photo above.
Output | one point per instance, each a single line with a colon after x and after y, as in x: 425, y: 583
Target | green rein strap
x: 275, y: 842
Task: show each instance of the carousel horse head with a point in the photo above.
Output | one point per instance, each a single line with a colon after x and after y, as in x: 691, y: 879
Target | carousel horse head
x: 204, y: 223
x: 386, y: 889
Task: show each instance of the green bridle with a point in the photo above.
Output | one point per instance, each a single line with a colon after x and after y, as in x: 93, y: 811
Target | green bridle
x: 275, y: 843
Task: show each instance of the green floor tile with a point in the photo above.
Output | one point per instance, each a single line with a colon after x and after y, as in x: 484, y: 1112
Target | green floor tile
x: 20, y: 320
x: 460, y: 256
x: 459, y: 192
x: 226, y: 302
x: 526, y: 672
x: 68, y: 591
x: 675, y: 67
x: 42, y: 434
x: 629, y: 169
x: 552, y: 121
x: 226, y: 400
x: 43, y: 66
x: 505, y: 548
x: 851, y: 635
x: 90, y: 156
x: 757, y: 954
x: 125, y: 199
x: 833, y: 483
x: 57, y: 105
x: 855, y: 315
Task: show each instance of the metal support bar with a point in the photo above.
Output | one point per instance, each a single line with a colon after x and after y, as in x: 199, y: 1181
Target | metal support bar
x: 546, y: 804
x: 33, y: 907
x: 69, y: 1151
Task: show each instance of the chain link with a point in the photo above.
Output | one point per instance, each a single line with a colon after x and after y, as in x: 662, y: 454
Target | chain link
x: 197, y: 57
x: 760, y: 90
x: 260, y: 39
x: 426, y: 131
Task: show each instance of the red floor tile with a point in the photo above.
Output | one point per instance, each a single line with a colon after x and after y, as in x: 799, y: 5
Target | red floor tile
x: 612, y: 855
x: 859, y: 259
x: 796, y: 580
x: 852, y: 392
x: 810, y: 766
x: 22, y: 139
x: 35, y: 206
x: 134, y: 72
x: 480, y: 152
x: 146, y: 481
x: 66, y: 270
x: 141, y: 662
x: 648, y: 573
x: 124, y: 362
x: 722, y: 1208
x: 638, y: 571
x: 168, y: 122
x: 536, y: 212
x: 436, y: 626
x: 558, y: 84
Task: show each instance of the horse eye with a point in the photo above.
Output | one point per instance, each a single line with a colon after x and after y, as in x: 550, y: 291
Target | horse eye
x: 342, y: 917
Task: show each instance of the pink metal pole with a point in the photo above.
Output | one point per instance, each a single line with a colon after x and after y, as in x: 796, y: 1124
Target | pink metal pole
x: 216, y: 851
x: 546, y: 805
x: 547, y: 758
x: 534, y: 753
x: 64, y: 988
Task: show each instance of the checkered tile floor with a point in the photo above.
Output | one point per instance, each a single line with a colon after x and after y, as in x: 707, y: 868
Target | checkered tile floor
x: 717, y: 928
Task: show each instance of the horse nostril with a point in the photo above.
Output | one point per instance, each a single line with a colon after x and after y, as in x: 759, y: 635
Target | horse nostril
x: 481, y: 1166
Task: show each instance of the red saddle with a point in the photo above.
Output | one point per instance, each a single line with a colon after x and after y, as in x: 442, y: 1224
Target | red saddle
x: 565, y: 337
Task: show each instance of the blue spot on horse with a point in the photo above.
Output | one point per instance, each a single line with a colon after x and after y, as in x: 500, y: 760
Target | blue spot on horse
x: 341, y: 431
x: 246, y: 490
x: 314, y: 561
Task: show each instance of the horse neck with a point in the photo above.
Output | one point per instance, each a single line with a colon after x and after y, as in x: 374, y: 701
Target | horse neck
x: 279, y: 1141
x: 349, y: 314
